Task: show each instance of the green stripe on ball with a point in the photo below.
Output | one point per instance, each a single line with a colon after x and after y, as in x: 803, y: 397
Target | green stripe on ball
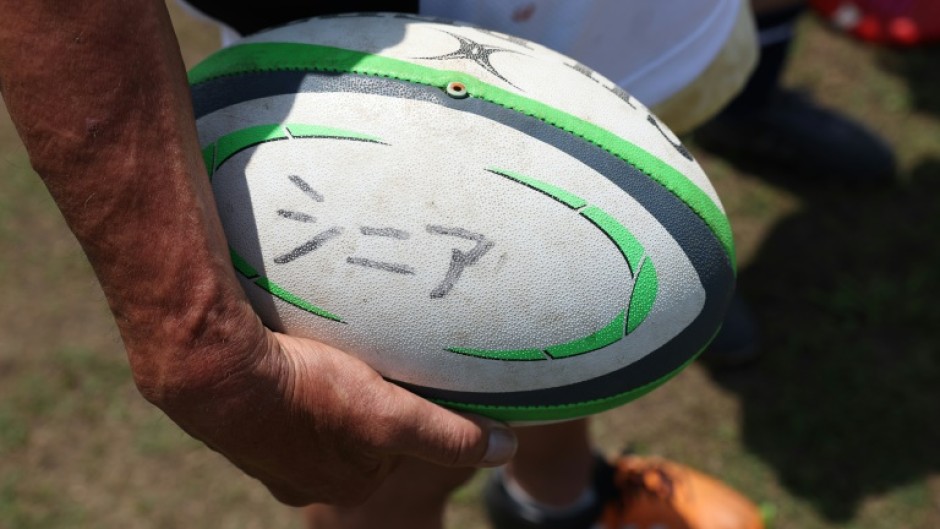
x: 261, y: 57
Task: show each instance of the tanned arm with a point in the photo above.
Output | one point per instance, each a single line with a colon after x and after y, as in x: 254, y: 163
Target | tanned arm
x: 98, y: 93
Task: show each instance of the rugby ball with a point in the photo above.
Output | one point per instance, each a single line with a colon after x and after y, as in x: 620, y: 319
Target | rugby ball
x: 485, y: 222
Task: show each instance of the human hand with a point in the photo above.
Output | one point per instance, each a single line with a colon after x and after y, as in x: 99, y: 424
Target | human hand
x: 109, y: 128
x: 315, y: 424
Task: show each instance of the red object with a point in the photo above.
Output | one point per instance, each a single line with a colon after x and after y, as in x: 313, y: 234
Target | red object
x: 894, y: 22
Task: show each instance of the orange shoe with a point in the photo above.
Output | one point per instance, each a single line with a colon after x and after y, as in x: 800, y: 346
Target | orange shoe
x: 655, y: 493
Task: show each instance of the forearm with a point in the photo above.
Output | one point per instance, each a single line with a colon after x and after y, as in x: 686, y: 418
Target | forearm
x: 98, y: 93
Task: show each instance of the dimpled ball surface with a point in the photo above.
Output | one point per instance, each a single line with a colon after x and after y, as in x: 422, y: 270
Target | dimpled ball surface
x: 484, y: 221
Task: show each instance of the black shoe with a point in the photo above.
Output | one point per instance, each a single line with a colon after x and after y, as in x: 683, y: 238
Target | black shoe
x: 738, y: 342
x: 792, y: 134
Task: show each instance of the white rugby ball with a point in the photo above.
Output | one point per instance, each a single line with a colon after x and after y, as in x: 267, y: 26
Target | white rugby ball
x: 482, y: 220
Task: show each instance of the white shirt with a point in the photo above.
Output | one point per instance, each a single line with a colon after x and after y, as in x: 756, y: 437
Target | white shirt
x: 650, y: 48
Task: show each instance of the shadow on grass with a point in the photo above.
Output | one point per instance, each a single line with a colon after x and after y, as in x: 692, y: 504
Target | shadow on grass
x: 918, y: 67
x: 846, y: 401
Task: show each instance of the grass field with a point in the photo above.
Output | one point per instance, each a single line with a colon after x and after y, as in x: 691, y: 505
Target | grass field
x: 838, y: 426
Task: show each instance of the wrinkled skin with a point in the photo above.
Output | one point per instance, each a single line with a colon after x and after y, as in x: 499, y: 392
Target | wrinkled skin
x: 98, y: 93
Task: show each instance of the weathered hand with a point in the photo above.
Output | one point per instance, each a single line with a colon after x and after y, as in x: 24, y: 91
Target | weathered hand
x: 109, y: 127
x: 315, y: 424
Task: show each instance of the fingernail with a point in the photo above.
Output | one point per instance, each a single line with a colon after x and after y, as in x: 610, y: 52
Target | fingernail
x: 501, y: 447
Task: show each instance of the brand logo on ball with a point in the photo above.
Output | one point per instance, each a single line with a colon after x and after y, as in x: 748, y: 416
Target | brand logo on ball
x: 471, y: 50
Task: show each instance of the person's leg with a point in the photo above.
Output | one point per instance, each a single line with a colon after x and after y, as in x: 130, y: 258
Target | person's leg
x: 557, y: 481
x: 554, y: 463
x: 553, y: 468
x: 785, y: 133
x: 775, y: 26
x: 413, y: 497
x: 769, y: 6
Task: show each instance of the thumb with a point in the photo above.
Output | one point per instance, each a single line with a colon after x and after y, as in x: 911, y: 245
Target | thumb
x: 435, y: 434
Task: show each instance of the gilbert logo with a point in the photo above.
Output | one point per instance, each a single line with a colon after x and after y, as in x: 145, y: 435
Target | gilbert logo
x: 470, y: 50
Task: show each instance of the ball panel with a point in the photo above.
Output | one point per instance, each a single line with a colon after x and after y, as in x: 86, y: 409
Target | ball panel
x: 501, y: 60
x: 566, y: 172
x: 698, y: 195
x: 596, y: 266
x: 572, y: 409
